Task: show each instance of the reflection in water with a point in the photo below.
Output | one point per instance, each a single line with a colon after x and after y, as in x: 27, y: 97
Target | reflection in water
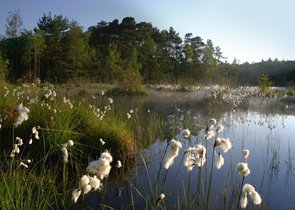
x: 266, y: 128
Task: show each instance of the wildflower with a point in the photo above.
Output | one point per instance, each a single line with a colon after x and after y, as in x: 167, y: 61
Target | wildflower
x: 173, y: 150
x: 219, y: 161
x: 101, y: 141
x: 190, y: 158
x: 246, y: 153
x: 35, y: 133
x: 20, y: 114
x: 119, y: 164
x: 160, y: 198
x: 23, y: 164
x: 219, y: 128
x: 195, y: 156
x: 244, y: 201
x: 19, y: 141
x: 211, y: 123
x: 110, y: 100
x: 225, y: 144
x: 249, y: 190
x: 70, y: 143
x: 201, y: 155
x: 243, y: 169
x: 65, y: 153
x: 128, y: 115
x: 84, y: 180
x: 102, y: 92
x: 210, y: 134
x: 94, y: 182
x: 76, y: 194
x: 185, y: 133
x: 131, y: 111
x: 101, y: 167
x: 256, y: 198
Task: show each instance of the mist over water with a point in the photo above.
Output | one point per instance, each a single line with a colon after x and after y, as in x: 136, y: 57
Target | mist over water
x: 265, y: 127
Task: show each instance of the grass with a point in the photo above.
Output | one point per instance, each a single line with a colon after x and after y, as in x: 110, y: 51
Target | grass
x: 48, y: 182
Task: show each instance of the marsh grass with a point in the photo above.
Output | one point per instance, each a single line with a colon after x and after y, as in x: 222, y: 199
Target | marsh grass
x: 49, y: 182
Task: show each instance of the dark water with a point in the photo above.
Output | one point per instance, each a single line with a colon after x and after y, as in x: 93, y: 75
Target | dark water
x: 265, y: 127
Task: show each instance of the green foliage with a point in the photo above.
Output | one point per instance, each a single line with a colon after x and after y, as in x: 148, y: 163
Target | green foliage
x: 28, y: 190
x: 3, y: 67
x: 265, y: 84
x: 58, y: 50
x: 292, y: 90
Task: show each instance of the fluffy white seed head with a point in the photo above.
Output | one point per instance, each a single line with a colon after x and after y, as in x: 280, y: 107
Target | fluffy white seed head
x: 76, y: 194
x: 95, y: 183
x: 172, y: 152
x: 20, y: 114
x: 244, y: 201
x: 219, y: 161
x: 185, y: 133
x: 246, y: 153
x: 243, y: 169
x: 70, y: 143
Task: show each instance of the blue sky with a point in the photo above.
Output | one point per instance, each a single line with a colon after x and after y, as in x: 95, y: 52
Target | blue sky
x: 249, y: 30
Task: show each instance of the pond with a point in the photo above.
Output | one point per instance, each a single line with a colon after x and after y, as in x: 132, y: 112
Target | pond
x: 266, y: 127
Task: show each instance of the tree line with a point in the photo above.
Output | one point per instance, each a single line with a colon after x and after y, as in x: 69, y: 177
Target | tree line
x: 58, y: 50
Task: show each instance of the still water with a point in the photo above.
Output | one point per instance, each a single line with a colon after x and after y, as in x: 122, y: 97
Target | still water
x: 264, y: 126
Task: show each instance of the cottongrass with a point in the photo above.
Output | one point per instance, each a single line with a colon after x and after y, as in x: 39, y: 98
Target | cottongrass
x: 246, y: 153
x: 194, y: 156
x: 219, y: 161
x: 243, y: 169
x: 101, y: 167
x: 172, y: 152
x: 249, y: 190
x: 20, y: 114
x: 225, y: 144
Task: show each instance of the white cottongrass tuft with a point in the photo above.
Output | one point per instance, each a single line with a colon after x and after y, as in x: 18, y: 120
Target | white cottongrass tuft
x: 119, y: 164
x: 101, y: 167
x: 219, y: 128
x: 190, y: 158
x: 194, y: 156
x: 35, y: 132
x: 185, y: 133
x: 76, y: 194
x: 20, y: 114
x: 101, y: 141
x: 110, y: 100
x: 210, y: 134
x: 243, y: 169
x: 70, y: 143
x: 65, y: 154
x: 256, y: 198
x: 23, y: 164
x: 160, y: 198
x: 219, y: 161
x: 225, y: 144
x: 128, y: 116
x: 211, y: 123
x: 16, y: 150
x: 246, y: 153
x: 95, y: 183
x: 172, y: 153
x: 249, y: 190
x: 244, y: 201
x: 201, y: 155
